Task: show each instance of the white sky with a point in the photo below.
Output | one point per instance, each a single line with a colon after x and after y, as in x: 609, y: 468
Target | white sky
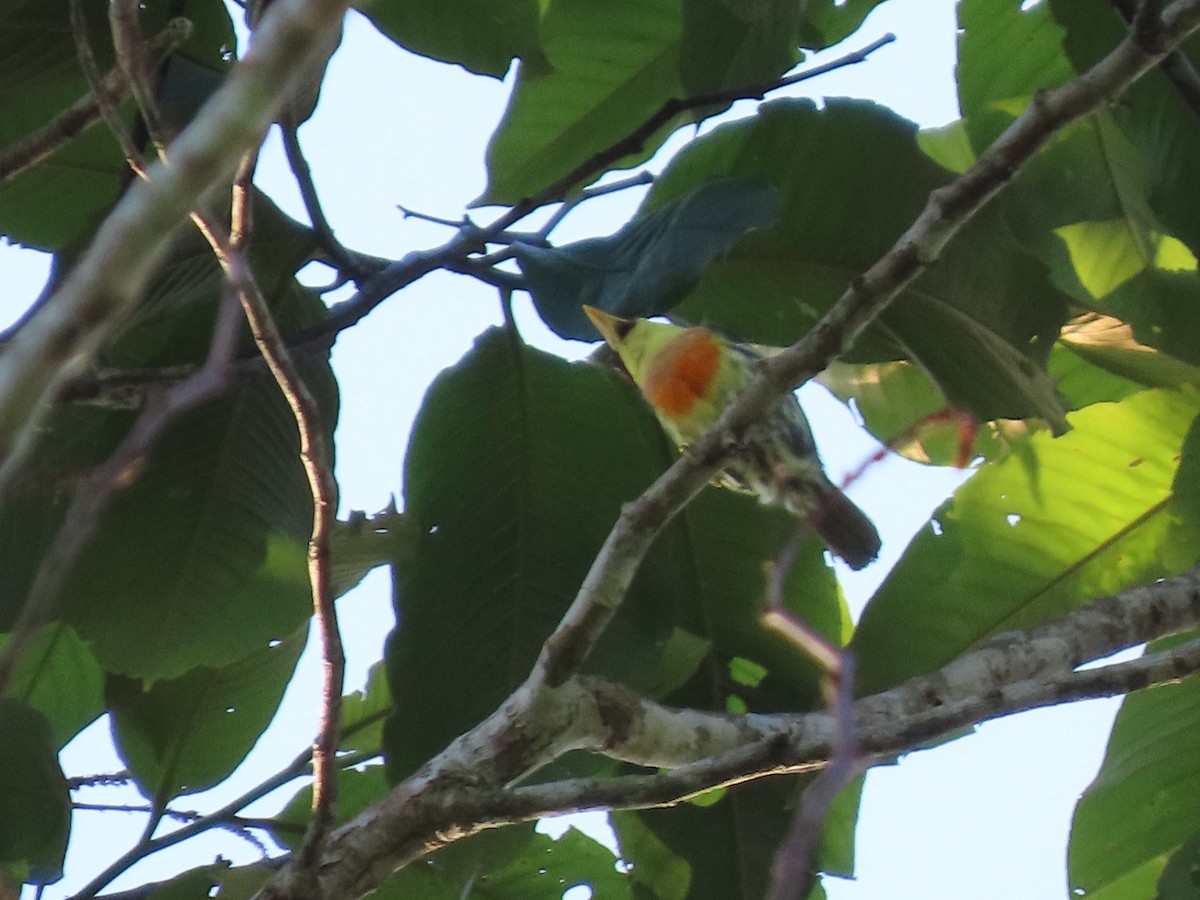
x: 986, y: 816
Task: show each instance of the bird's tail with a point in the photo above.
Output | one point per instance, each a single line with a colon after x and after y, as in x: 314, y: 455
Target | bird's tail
x: 844, y: 527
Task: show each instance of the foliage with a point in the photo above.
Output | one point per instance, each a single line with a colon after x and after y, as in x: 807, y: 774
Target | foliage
x: 1052, y: 349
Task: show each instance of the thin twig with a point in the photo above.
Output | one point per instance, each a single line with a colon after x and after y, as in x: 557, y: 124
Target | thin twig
x: 641, y: 179
x: 316, y: 457
x: 133, y: 59
x: 793, y: 872
x: 315, y: 454
x: 227, y: 813
x: 105, y: 104
x: 347, y: 263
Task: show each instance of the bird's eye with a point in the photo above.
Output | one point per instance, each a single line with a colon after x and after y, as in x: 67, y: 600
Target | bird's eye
x: 622, y: 327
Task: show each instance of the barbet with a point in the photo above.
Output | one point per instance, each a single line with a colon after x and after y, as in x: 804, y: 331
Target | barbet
x: 689, y: 375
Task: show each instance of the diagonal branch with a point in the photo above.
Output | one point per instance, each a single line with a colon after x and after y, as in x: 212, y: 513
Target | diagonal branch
x: 63, y: 335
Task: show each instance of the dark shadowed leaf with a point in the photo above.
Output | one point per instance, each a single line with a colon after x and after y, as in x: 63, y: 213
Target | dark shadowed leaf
x: 35, y: 808
x: 59, y: 677
x: 54, y: 202
x: 611, y: 66
x: 519, y: 464
x: 647, y: 266
x: 186, y: 734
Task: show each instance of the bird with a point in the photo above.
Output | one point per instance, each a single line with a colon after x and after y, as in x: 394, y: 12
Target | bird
x: 689, y: 375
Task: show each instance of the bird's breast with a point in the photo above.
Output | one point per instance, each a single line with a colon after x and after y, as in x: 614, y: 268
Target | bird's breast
x: 682, y: 373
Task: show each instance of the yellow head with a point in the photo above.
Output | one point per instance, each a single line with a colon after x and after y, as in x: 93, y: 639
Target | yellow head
x: 686, y: 374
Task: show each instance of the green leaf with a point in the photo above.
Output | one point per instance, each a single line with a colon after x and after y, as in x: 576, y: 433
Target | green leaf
x: 1059, y: 522
x: 519, y: 463
x: 1178, y: 879
x: 611, y: 66
x: 728, y: 845
x: 482, y: 36
x: 831, y: 21
x: 57, y: 676
x: 35, y: 807
x: 357, y: 787
x: 1151, y: 114
x: 1114, y: 363
x: 219, y: 880
x: 647, y: 266
x: 363, y: 713
x: 202, y: 559
x: 948, y: 146
x: 1164, y: 310
x: 536, y: 867
x: 54, y: 202
x: 361, y: 544
x: 654, y: 865
x: 1140, y: 807
x: 734, y: 45
x: 189, y: 733
x: 1006, y: 52
x: 981, y: 322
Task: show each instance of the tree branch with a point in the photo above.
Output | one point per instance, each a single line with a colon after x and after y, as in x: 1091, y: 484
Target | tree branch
x: 455, y: 794
x: 63, y: 335
x: 429, y: 808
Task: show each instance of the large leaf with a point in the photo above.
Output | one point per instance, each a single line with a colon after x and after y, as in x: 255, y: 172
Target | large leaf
x: 648, y: 265
x: 1007, y: 51
x: 1141, y: 806
x: 1138, y: 810
x: 57, y: 676
x: 52, y: 203
x: 611, y: 66
x: 35, y: 808
x: 482, y: 36
x: 200, y: 558
x: 189, y: 733
x: 519, y: 464
x: 1059, y: 522
x: 1152, y: 115
x: 981, y: 322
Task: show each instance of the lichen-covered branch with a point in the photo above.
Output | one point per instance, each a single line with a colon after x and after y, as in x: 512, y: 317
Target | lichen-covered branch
x: 466, y: 788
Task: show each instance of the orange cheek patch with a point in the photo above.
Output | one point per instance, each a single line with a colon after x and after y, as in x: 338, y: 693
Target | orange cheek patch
x: 682, y: 372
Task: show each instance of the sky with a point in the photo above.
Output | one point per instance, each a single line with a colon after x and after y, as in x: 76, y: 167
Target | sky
x: 986, y: 816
